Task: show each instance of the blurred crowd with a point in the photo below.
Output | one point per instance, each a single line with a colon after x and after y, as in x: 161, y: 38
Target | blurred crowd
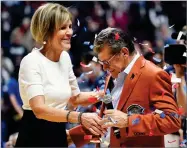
x: 149, y: 23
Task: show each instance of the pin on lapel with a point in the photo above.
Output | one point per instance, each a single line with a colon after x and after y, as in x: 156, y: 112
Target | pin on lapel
x: 132, y: 76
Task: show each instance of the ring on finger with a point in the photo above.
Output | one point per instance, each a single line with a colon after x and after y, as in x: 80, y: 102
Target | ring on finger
x: 106, y: 123
x: 112, y: 120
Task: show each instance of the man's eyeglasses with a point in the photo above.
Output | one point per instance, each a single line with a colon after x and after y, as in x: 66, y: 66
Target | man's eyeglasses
x: 105, y: 62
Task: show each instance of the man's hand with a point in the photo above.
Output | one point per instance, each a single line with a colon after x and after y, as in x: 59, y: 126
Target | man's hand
x: 114, y: 118
x: 179, y: 70
x: 91, y: 121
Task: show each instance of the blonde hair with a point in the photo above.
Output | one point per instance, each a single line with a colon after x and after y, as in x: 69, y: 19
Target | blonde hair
x: 47, y: 19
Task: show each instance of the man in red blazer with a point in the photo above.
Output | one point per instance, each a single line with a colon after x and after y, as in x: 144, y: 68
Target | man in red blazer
x: 144, y: 107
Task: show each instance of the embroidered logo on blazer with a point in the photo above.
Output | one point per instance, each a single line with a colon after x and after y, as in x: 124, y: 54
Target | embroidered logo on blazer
x: 138, y: 134
x: 135, y: 109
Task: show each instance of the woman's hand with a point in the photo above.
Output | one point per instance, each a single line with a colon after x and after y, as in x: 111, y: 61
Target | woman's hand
x: 86, y: 98
x: 99, y: 94
x: 91, y: 121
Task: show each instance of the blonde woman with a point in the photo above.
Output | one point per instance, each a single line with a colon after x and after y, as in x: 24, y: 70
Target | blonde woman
x: 47, y: 83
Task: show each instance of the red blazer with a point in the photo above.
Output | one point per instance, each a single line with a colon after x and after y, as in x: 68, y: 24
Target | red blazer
x: 146, y: 85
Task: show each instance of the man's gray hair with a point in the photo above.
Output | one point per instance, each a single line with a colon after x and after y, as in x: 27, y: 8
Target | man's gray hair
x: 114, y: 38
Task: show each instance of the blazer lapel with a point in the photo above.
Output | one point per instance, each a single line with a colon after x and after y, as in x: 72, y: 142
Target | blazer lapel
x: 130, y: 81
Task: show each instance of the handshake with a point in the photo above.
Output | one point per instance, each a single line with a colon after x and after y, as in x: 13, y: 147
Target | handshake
x: 112, y: 118
x: 98, y: 126
x: 95, y: 125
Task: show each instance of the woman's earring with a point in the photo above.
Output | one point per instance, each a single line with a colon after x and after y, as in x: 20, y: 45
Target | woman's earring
x: 44, y: 42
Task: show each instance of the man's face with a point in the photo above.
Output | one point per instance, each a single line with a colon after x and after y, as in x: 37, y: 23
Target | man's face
x: 114, y: 63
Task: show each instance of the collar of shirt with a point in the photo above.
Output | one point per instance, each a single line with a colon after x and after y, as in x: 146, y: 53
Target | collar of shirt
x: 129, y: 67
x: 123, y: 74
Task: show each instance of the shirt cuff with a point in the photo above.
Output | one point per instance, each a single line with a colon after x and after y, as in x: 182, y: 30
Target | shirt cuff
x: 34, y: 90
x: 75, y: 92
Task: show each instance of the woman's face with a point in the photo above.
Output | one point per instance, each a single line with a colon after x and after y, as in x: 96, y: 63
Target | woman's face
x: 62, y: 38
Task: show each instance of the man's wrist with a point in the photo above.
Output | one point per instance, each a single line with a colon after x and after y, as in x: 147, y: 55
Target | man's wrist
x: 126, y: 120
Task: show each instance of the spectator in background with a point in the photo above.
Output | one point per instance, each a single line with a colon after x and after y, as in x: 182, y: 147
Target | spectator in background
x: 21, y: 35
x: 158, y: 59
x: 9, y: 124
x: 181, y: 72
x: 164, y: 33
x: 146, y: 46
x: 181, y: 90
x: 5, y: 25
x: 181, y: 99
x: 7, y: 67
x: 99, y: 14
x: 159, y: 43
x: 3, y: 121
x: 17, y: 51
x: 95, y: 79
x: 14, y: 95
x: 13, y: 106
x: 27, y: 40
x: 120, y: 15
